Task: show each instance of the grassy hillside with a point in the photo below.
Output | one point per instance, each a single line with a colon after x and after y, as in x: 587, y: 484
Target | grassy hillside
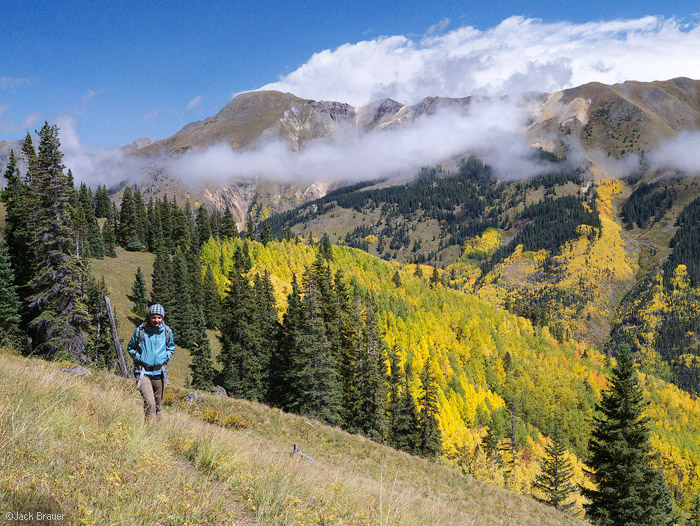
x: 76, y: 446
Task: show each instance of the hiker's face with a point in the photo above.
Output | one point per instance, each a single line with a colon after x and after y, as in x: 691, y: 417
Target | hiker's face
x: 155, y: 319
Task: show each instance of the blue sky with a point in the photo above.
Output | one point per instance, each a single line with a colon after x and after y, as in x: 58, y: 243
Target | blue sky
x: 123, y: 70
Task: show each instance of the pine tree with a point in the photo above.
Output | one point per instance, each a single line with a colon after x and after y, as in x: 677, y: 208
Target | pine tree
x: 324, y: 248
x: 418, y: 272
x: 17, y: 204
x: 161, y: 279
x: 211, y: 300
x: 94, y: 240
x: 285, y: 362
x: 434, y: 278
x: 266, y: 235
x: 629, y: 490
x: 228, y: 225
x: 250, y: 228
x: 203, y: 224
x: 100, y: 349
x: 404, y: 431
x: 9, y: 301
x: 556, y: 473
x: 267, y: 327
x: 128, y: 222
x: 109, y: 237
x: 242, y: 369
x: 102, y: 202
x: 203, y: 372
x: 60, y: 316
x: 317, y: 364
x: 182, y: 315
x: 139, y: 293
x: 396, y: 280
x: 430, y: 436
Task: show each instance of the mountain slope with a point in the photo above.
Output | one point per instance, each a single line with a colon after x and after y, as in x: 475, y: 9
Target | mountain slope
x: 622, y: 118
x: 75, y: 447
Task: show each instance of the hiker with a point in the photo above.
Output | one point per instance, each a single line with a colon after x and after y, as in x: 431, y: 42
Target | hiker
x: 151, y: 347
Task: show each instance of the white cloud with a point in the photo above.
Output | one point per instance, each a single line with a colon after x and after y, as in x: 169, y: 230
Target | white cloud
x: 194, y: 102
x: 682, y: 152
x: 519, y: 54
x: 491, y: 129
x: 95, y: 165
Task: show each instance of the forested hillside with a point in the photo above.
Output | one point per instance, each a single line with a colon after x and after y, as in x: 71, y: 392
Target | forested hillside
x: 477, y: 364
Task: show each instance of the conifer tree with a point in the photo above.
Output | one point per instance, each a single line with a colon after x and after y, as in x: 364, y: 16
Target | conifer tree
x: 109, y: 237
x: 102, y: 202
x: 629, y: 490
x: 211, y: 301
x: 324, y: 248
x: 9, y: 301
x: 396, y: 279
x: 406, y: 424
x: 418, y: 272
x: 203, y: 372
x: 373, y: 376
x: 139, y: 293
x: 17, y: 229
x: 317, y: 365
x: 434, y: 278
x: 128, y: 222
x: 181, y: 315
x: 285, y: 362
x: 267, y: 326
x: 228, y: 225
x: 60, y: 318
x: 203, y: 224
x: 214, y: 223
x: 430, y: 436
x: 555, y: 475
x: 94, y: 240
x: 250, y: 228
x: 266, y: 235
x: 100, y: 345
x: 161, y: 279
x: 242, y: 368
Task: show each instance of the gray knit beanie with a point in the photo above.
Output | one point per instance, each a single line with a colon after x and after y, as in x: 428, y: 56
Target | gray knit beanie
x: 156, y: 309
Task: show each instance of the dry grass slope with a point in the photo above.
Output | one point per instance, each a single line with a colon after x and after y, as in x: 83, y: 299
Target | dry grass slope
x: 77, y: 446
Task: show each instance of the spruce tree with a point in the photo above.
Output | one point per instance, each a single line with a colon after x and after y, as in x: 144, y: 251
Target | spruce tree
x: 94, y: 240
x: 285, y: 362
x: 396, y: 279
x: 102, y: 202
x: 555, y: 475
x: 18, y: 203
x: 182, y: 315
x: 109, y: 237
x: 324, y: 248
x: 250, y: 228
x: 406, y: 424
x: 100, y: 349
x: 60, y: 318
x: 203, y: 224
x: 228, y: 225
x: 240, y: 357
x: 434, y: 278
x: 161, y: 279
x: 139, y: 293
x: 211, y: 300
x: 266, y: 236
x: 9, y: 301
x: 429, y: 430
x: 202, y: 366
x: 628, y: 489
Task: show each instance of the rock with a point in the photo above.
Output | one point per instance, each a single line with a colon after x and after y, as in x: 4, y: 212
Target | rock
x: 219, y: 391
x: 76, y: 371
x: 192, y: 397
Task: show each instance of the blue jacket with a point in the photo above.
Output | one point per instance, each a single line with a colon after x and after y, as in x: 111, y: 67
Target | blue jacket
x: 155, y: 351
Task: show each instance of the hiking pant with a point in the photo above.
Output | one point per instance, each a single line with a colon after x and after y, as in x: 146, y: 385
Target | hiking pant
x: 152, y: 392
